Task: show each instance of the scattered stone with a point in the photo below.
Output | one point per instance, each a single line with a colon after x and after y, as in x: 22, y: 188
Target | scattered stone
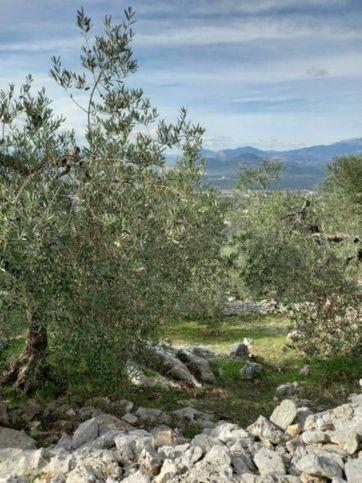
x: 152, y: 417
x: 266, y: 430
x: 287, y: 390
x: 137, y: 477
x: 347, y: 439
x: 21, y: 462
x: 11, y: 438
x: 86, y: 432
x: 182, y: 373
x: 150, y: 461
x: 268, y: 461
x: 81, y: 474
x: 164, y: 438
x: 240, y: 349
x: 251, y: 371
x: 284, y: 414
x: 321, y: 466
x: 314, y: 437
x: 130, y: 418
x: 199, y: 366
x: 293, y: 430
x: 353, y: 470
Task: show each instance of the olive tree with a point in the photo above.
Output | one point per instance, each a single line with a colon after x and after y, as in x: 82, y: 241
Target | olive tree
x: 281, y: 247
x: 99, y: 244
x: 345, y: 175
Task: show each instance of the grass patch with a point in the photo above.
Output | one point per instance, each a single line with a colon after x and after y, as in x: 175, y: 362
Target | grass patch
x: 230, y: 398
x: 328, y: 384
x: 268, y: 332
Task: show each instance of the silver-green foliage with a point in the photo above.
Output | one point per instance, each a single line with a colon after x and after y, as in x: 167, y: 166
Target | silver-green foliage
x: 279, y: 248
x: 100, y: 245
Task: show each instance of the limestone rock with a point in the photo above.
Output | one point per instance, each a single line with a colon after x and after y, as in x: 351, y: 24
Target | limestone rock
x: 197, y: 365
x: 11, y: 438
x: 86, y: 432
x: 129, y: 446
x: 151, y: 417
x: 287, y: 390
x: 321, y: 466
x: 251, y: 371
x: 353, y: 470
x: 284, y: 414
x: 137, y: 477
x: 228, y: 433
x: 293, y: 430
x: 150, y: 461
x: 21, y: 462
x: 130, y: 418
x: 164, y: 438
x: 314, y: 437
x: 81, y: 474
x: 347, y: 438
x: 268, y: 461
x: 264, y: 429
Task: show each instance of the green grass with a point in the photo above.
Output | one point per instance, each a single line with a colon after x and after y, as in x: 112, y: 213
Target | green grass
x: 230, y: 398
x: 268, y: 332
x: 329, y: 383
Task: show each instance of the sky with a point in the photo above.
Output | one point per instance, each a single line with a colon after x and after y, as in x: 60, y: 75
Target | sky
x: 274, y: 74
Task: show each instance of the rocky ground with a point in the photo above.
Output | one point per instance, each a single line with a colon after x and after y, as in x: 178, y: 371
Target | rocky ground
x: 113, y: 441
x: 110, y: 440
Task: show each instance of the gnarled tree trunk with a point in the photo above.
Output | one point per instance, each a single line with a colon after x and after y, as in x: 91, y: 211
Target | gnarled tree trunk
x: 30, y: 369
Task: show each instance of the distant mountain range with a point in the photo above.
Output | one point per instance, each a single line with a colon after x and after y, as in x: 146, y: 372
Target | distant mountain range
x: 302, y: 168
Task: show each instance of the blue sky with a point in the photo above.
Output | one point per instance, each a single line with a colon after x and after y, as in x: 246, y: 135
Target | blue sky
x: 270, y: 73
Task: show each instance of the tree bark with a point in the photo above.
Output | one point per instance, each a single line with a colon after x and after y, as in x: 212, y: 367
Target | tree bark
x: 30, y: 369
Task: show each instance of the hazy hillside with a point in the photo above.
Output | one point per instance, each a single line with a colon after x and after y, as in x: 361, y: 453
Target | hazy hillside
x: 303, y: 168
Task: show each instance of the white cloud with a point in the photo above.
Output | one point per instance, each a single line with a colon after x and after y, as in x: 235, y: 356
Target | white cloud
x: 245, y: 30
x: 59, y: 44
x: 218, y: 7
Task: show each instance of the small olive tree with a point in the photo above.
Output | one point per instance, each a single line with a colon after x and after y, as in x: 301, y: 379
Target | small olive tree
x: 98, y: 244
